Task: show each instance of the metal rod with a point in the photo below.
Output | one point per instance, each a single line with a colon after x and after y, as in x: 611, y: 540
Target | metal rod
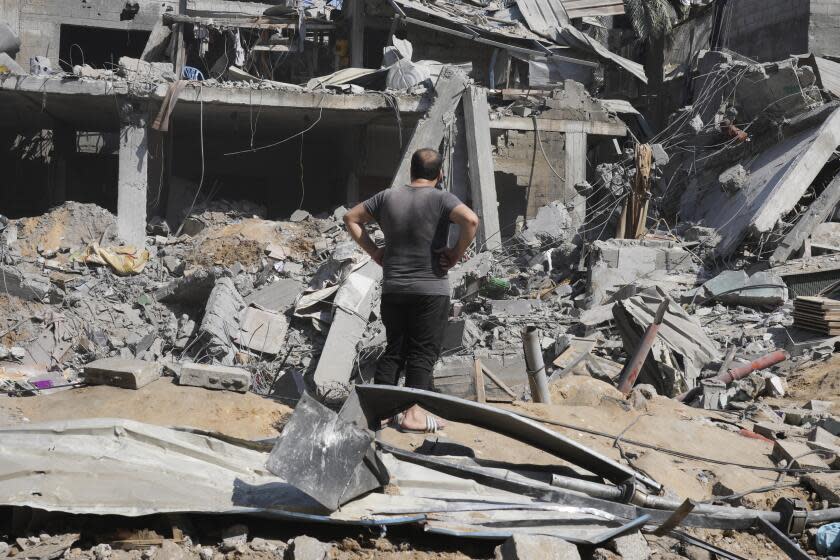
x: 536, y: 366
x: 632, y: 369
x: 790, y: 548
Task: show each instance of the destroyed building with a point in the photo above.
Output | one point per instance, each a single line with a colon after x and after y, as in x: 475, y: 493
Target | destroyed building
x: 640, y: 355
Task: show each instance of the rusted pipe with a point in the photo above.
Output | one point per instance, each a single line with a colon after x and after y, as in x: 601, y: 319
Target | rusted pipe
x: 740, y: 372
x: 762, y: 363
x: 632, y: 369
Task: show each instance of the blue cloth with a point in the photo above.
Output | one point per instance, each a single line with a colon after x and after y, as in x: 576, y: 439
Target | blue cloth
x: 828, y: 539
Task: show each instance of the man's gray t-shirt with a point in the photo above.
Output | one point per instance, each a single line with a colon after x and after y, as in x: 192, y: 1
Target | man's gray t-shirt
x: 415, y: 221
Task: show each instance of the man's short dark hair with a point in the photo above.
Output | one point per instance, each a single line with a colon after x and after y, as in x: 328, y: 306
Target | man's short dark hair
x: 426, y: 164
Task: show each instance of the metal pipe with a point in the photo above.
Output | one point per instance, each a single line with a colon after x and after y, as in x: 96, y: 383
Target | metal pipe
x: 535, y: 365
x: 632, y: 369
x: 594, y: 489
x: 740, y: 372
x: 762, y: 363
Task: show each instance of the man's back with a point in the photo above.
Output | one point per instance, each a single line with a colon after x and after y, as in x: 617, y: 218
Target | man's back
x: 415, y: 221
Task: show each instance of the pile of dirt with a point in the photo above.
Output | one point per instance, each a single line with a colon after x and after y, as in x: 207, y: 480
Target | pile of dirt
x: 72, y: 225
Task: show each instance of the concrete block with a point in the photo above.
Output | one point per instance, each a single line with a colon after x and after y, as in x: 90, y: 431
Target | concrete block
x: 792, y: 452
x: 714, y: 394
x: 631, y: 547
x: 827, y: 486
x: 215, y: 377
x: 307, y: 548
x: 831, y: 425
x: 121, y: 372
x: 529, y: 547
x: 775, y: 386
x: 818, y: 406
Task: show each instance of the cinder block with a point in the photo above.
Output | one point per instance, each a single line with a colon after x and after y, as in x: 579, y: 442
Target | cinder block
x: 121, y: 372
x: 215, y: 377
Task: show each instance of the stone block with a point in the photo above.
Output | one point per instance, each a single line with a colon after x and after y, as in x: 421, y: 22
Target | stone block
x: 215, y: 377
x: 631, y: 547
x: 307, y: 548
x: 121, y: 372
x: 530, y: 547
x: 797, y: 454
x: 827, y: 485
x: 819, y: 406
x: 831, y: 425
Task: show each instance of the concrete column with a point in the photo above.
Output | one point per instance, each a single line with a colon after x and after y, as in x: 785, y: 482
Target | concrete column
x: 575, y: 174
x: 133, y: 181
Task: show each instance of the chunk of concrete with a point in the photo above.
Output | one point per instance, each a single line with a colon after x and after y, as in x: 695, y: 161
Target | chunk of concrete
x: 174, y: 265
x: 298, y: 216
x: 307, y: 548
x: 797, y: 454
x: 737, y: 288
x: 278, y: 296
x: 513, y: 307
x: 530, y: 547
x: 121, y: 372
x: 733, y: 179
x: 31, y: 287
x: 631, y: 547
x: 827, y: 485
x: 818, y: 406
x: 215, y: 377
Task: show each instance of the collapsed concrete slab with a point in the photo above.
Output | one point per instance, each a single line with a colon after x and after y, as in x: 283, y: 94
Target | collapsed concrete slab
x: 776, y: 181
x: 31, y: 287
x: 215, y: 377
x: 121, y: 372
x: 353, y: 304
x: 681, y: 350
x: 739, y: 288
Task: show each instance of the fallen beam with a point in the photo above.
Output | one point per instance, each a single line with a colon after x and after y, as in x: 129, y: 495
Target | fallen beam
x: 598, y: 128
x: 817, y: 213
x: 431, y: 128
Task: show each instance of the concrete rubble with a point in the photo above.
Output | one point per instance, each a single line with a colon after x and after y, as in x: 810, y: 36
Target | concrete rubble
x: 659, y: 191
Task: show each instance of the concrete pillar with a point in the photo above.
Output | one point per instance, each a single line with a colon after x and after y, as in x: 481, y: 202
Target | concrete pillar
x: 133, y: 181
x: 575, y: 174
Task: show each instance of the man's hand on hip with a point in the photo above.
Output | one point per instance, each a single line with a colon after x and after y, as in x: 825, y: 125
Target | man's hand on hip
x: 378, y: 255
x: 449, y: 257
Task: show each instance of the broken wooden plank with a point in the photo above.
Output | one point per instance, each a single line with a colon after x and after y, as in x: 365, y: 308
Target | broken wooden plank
x: 482, y: 178
x: 480, y: 394
x: 817, y: 213
x: 431, y: 128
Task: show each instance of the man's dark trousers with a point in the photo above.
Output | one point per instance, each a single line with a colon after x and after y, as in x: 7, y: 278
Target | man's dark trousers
x: 414, y: 327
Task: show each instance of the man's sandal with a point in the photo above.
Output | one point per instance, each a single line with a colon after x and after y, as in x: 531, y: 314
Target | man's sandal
x: 432, y: 426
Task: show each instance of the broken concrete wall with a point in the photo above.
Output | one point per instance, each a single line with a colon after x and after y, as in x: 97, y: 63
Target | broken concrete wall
x: 519, y: 163
x: 41, y: 22
x: 766, y: 30
x: 618, y: 265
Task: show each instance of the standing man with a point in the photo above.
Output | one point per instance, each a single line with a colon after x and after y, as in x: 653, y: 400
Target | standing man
x: 415, y: 219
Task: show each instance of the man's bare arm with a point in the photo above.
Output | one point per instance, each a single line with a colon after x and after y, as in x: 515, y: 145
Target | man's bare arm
x: 355, y: 220
x: 467, y: 221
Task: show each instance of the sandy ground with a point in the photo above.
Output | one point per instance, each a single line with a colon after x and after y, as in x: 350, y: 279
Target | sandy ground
x: 591, y: 404
x: 162, y: 402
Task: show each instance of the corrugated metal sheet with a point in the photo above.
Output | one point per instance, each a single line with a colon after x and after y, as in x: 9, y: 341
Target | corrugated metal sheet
x: 585, y: 8
x: 829, y: 74
x: 544, y: 17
